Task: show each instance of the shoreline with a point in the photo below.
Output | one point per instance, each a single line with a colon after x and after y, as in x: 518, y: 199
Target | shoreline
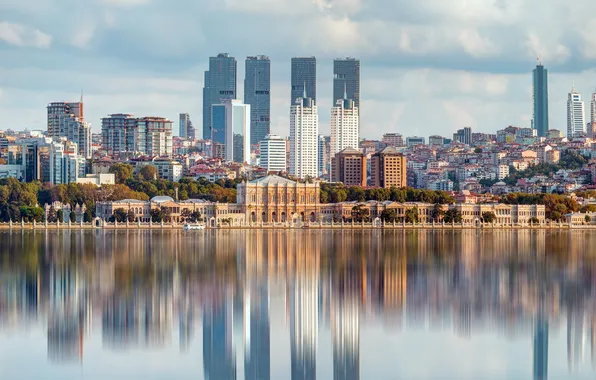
x: 280, y: 226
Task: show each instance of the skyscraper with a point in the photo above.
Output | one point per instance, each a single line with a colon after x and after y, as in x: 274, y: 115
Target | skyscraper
x: 592, y: 130
x: 231, y: 127
x: 575, y: 114
x: 464, y: 136
x: 344, y: 125
x: 540, y: 75
x: 304, y: 78
x: 186, y: 129
x: 346, y: 80
x: 220, y: 84
x: 257, y: 85
x: 304, y: 138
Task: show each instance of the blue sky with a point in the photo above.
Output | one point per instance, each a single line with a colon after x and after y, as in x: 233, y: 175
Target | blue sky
x: 428, y: 67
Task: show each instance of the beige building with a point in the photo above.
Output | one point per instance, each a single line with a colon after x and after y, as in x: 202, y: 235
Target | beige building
x: 277, y: 199
x: 388, y: 168
x: 505, y: 214
x: 349, y: 167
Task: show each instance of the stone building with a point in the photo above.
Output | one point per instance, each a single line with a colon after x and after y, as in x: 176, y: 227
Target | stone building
x: 277, y: 199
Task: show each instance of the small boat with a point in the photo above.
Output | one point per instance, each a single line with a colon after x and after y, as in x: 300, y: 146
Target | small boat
x: 188, y: 227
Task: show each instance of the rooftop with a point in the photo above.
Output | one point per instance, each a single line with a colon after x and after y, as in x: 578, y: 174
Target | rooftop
x: 162, y: 199
x: 272, y: 180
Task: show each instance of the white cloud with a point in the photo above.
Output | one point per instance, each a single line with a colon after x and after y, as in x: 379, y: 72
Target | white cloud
x: 83, y: 35
x: 23, y: 36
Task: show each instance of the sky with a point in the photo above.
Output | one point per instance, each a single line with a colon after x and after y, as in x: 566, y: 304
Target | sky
x: 427, y: 66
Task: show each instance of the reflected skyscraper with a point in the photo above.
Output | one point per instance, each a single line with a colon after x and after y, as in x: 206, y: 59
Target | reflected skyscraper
x: 541, y: 349
x: 257, y: 354
x: 219, y: 358
x: 345, y: 335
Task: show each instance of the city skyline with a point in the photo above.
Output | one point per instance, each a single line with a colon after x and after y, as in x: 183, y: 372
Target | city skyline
x: 473, y: 73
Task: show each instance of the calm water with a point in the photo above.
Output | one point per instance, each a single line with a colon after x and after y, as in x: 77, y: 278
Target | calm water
x: 297, y: 305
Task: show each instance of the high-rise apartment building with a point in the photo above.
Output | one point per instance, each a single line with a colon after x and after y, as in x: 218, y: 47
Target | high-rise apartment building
x: 463, y: 136
x: 344, y: 126
x: 575, y: 114
x: 257, y: 86
x: 186, y: 128
x: 66, y: 119
x: 592, y: 129
x: 231, y: 127
x: 304, y: 79
x: 388, y: 168
x: 125, y: 135
x: 349, y: 167
x: 304, y: 138
x: 273, y: 153
x: 415, y: 140
x: 393, y: 139
x: 323, y: 157
x: 346, y: 80
x: 220, y: 85
x: 540, y: 76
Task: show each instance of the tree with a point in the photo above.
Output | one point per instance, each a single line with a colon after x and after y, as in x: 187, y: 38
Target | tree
x: 130, y: 216
x: 453, y: 216
x: 60, y: 216
x: 478, y: 150
x: 2, y: 161
x: 412, y: 215
x: 156, y: 215
x: 195, y: 216
x: 29, y: 214
x: 119, y: 215
x: 587, y: 219
x: 489, y: 217
x: 122, y: 172
x: 389, y: 215
x: 147, y: 173
x: 51, y: 217
x: 437, y: 212
x: 534, y: 220
x: 588, y: 208
x: 359, y: 213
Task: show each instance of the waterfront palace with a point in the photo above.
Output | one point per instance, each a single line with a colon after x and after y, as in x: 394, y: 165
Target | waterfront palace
x: 273, y: 199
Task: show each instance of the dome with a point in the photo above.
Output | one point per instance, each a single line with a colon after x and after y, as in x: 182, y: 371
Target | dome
x: 162, y: 199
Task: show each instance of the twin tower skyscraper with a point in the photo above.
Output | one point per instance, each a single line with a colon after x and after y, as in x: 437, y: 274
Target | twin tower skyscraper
x: 221, y: 86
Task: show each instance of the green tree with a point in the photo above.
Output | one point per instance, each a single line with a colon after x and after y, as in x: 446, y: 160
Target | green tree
x: 489, y: 217
x: 588, y: 208
x: 587, y: 219
x: 130, y: 216
x: 534, y: 220
x: 359, y: 213
x: 156, y: 215
x: 412, y: 215
x: 122, y: 172
x: 453, y: 216
x: 119, y: 215
x: 389, y: 215
x: 29, y: 214
x: 147, y: 173
x: 52, y: 216
x: 437, y: 212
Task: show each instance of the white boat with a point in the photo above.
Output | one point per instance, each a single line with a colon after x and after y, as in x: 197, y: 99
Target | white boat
x: 188, y: 227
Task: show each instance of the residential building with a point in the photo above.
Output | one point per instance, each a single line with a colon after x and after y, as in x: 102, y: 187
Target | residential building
x: 502, y: 171
x: 166, y: 168
x: 303, y: 79
x: 349, y: 167
x: 154, y: 136
x: 463, y: 136
x: 304, y: 138
x: 575, y: 115
x: 436, y: 140
x: 273, y: 153
x: 415, y: 140
x: 393, y: 139
x: 66, y: 120
x: 98, y: 179
x: 58, y: 109
x: 186, y: 128
x: 540, y: 92
x: 257, y: 86
x: 346, y: 81
x: 119, y: 133
x: 345, y: 127
x: 323, y: 156
x: 388, y: 168
x: 220, y: 85
x: 592, y: 129
x: 231, y: 127
x: 554, y: 134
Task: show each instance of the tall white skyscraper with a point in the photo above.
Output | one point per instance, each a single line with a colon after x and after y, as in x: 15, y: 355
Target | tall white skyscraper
x: 273, y: 153
x: 304, y: 138
x: 575, y: 114
x: 344, y: 126
x: 231, y: 126
x: 592, y: 130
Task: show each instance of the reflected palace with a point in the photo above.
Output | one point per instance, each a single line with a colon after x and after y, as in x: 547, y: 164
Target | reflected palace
x: 297, y: 304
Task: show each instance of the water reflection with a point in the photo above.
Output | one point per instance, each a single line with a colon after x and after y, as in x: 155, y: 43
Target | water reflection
x: 237, y: 294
